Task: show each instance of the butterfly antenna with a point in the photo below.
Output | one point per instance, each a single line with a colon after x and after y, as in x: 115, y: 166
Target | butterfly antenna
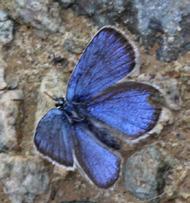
x: 50, y: 96
x: 17, y: 100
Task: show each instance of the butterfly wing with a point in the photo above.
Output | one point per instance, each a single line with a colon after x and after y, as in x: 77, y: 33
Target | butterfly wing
x: 107, y: 59
x: 129, y: 107
x: 101, y: 165
x: 104, y: 135
x: 52, y: 138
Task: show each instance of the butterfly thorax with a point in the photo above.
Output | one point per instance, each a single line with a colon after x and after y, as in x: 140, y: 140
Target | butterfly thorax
x: 71, y: 110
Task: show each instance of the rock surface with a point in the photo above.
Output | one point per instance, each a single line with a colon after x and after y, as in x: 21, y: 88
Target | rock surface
x: 145, y: 173
x: 9, y: 111
x: 163, y: 22
x: 157, y: 17
x: 23, y: 178
x: 43, y: 15
x: 77, y: 202
x: 6, y: 28
x: 102, y: 12
x: 3, y: 83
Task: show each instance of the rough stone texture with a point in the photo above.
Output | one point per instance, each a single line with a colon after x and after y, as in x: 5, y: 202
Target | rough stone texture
x: 6, y: 28
x: 74, y: 45
x: 159, y: 21
x: 9, y: 110
x: 102, y: 12
x: 168, y: 17
x: 3, y: 83
x: 145, y: 173
x: 177, y: 183
x: 171, y: 93
x: 23, y: 178
x: 77, y: 202
x: 43, y: 14
x: 67, y: 3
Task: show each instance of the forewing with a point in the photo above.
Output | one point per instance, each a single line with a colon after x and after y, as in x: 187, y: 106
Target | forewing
x: 107, y: 59
x: 53, y: 137
x: 129, y: 107
x: 100, y: 164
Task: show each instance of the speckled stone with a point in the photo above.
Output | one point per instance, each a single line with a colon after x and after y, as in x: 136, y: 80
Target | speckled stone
x: 3, y: 83
x: 169, y: 18
x: 23, y: 178
x: 67, y: 3
x: 144, y: 173
x: 41, y: 14
x: 9, y: 111
x: 6, y: 28
x: 102, y: 12
x: 77, y: 202
x: 156, y: 22
x: 3, y: 15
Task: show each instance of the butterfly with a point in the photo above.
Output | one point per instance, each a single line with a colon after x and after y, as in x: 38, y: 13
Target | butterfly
x: 66, y: 134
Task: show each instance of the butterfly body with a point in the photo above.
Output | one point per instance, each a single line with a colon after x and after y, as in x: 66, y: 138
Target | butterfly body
x: 67, y: 134
x: 71, y: 111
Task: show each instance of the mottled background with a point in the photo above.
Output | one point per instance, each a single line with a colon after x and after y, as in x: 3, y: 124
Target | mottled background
x: 40, y: 42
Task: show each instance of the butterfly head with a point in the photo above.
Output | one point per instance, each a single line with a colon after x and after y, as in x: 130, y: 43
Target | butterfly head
x: 60, y: 102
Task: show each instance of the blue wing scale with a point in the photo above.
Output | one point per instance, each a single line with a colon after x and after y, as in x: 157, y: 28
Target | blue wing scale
x: 53, y: 137
x: 100, y: 164
x: 128, y: 107
x: 107, y: 59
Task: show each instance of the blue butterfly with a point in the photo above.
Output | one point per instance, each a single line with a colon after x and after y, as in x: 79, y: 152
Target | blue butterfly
x: 66, y: 134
